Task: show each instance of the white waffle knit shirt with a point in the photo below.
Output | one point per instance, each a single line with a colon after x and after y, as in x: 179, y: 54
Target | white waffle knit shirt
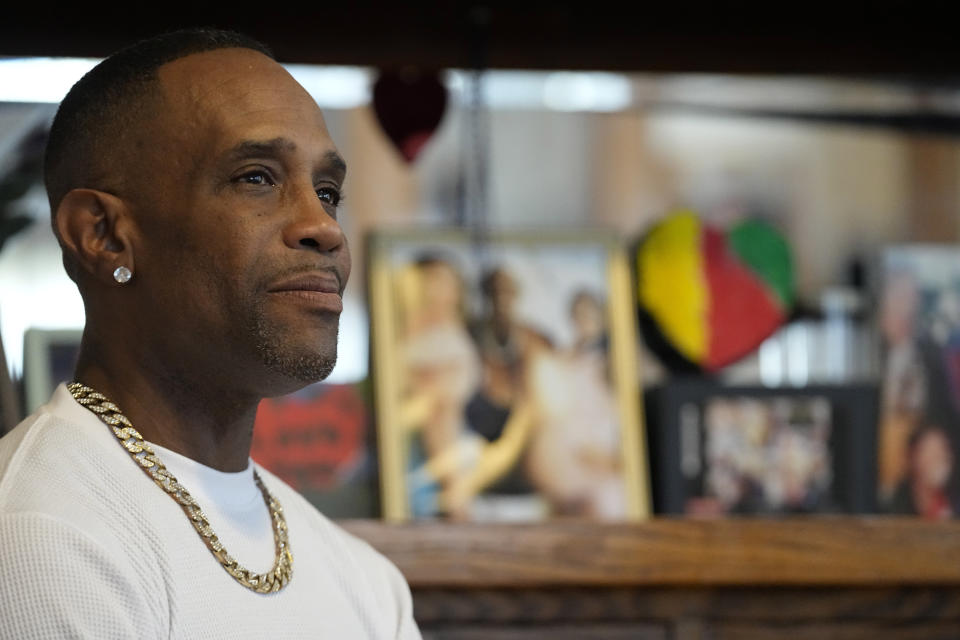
x: 90, y: 547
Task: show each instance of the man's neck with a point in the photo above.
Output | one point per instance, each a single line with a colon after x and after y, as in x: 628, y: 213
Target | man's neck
x: 213, y: 426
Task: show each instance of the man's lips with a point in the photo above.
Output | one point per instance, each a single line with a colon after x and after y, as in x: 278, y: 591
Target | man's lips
x: 319, y: 290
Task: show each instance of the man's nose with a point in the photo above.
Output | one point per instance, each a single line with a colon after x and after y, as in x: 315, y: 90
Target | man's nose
x: 312, y: 226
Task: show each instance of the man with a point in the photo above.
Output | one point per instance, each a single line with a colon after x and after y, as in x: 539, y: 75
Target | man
x: 194, y: 191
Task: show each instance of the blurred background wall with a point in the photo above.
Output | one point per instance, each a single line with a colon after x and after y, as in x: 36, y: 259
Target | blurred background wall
x: 839, y: 191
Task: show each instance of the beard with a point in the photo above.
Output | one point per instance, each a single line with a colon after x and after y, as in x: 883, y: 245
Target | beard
x: 287, y: 357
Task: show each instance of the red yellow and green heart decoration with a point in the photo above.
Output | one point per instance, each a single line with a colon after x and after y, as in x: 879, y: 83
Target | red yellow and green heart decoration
x: 709, y: 296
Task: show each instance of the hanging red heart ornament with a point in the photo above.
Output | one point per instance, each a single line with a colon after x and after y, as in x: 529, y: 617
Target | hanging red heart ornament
x: 409, y: 105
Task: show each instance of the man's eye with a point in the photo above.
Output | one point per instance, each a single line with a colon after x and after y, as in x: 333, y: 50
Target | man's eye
x: 330, y: 195
x: 257, y: 178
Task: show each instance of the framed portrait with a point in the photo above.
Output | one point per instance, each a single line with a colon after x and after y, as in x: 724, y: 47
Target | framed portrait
x: 49, y: 358
x: 919, y: 322
x: 505, y: 377
x: 754, y: 451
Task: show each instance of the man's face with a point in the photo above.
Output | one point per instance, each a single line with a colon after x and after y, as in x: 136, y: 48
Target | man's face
x: 240, y: 261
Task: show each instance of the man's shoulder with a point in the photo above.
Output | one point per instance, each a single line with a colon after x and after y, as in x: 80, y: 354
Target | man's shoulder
x: 51, y: 465
x: 365, y: 575
x: 11, y: 443
x: 351, y: 549
x: 68, y: 534
x: 39, y: 447
x: 293, y: 501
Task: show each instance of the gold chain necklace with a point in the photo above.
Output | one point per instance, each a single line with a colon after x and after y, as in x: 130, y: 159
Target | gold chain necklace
x: 274, y: 580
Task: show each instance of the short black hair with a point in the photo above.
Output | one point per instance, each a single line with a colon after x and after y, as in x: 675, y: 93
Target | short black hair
x: 103, y: 103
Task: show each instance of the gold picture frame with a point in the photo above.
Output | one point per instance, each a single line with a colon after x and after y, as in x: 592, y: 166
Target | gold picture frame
x: 505, y: 374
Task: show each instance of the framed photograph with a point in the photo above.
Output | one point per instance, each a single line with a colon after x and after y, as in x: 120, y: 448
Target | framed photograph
x: 49, y: 358
x: 723, y: 451
x: 505, y: 377
x: 319, y: 440
x: 919, y: 446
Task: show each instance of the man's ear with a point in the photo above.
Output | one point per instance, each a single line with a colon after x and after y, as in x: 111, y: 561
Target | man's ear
x: 95, y: 228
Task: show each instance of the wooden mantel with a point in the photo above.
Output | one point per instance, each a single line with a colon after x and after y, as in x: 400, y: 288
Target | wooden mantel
x: 821, y: 551
x: 674, y: 579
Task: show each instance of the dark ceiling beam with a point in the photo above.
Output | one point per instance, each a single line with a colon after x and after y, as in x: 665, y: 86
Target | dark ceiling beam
x: 882, y: 37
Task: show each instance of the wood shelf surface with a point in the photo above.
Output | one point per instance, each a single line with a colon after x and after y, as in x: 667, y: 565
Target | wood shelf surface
x: 815, y: 551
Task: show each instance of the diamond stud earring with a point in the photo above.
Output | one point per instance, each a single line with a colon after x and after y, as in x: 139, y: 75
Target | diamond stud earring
x: 122, y: 275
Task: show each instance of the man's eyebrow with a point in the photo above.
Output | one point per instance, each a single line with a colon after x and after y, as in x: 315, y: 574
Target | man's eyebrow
x: 259, y: 148
x: 278, y: 147
x: 335, y: 163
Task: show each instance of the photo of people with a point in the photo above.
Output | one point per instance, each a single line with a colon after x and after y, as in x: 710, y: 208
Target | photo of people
x: 760, y: 456
x: 506, y: 405
x: 919, y: 434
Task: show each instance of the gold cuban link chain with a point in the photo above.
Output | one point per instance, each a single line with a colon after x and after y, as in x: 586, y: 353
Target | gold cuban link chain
x: 274, y: 580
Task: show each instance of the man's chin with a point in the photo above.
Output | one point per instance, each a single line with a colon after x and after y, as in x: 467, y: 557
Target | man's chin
x: 306, y: 370
x: 289, y: 372
x: 296, y: 356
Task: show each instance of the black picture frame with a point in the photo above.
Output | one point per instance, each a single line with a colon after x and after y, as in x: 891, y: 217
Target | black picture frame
x: 852, y: 441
